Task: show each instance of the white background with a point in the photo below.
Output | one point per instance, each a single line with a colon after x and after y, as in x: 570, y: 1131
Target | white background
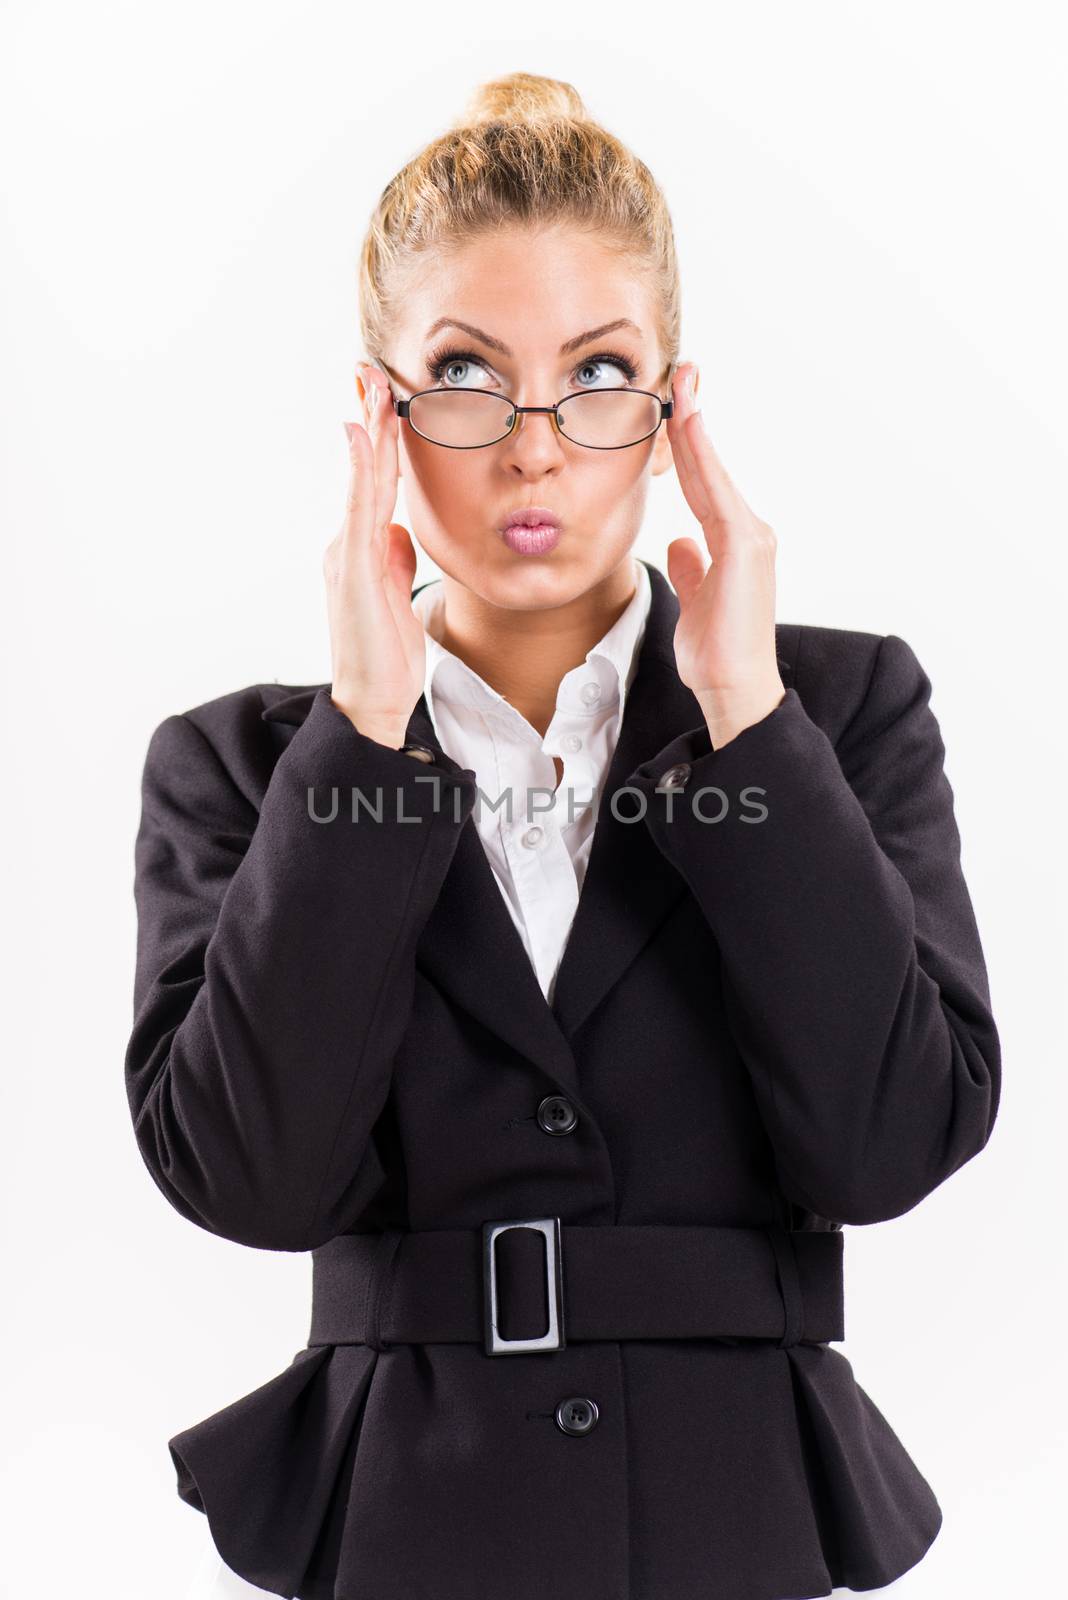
x: 869, y: 204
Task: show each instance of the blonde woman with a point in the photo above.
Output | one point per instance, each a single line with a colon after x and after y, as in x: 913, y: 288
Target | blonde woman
x: 566, y: 972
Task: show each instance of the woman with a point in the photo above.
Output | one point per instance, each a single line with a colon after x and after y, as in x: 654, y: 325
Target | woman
x: 565, y: 973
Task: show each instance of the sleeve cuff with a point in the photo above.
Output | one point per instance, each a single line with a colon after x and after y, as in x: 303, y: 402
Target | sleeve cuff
x: 771, y: 810
x: 329, y: 752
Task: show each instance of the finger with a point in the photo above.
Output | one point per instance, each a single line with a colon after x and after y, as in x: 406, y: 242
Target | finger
x: 727, y: 504
x: 709, y: 489
x: 689, y: 475
x: 690, y: 478
x: 681, y: 450
x: 399, y: 559
x: 357, y: 538
x: 382, y: 429
x: 683, y: 387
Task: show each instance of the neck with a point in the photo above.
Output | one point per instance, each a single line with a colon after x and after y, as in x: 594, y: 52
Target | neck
x: 525, y: 654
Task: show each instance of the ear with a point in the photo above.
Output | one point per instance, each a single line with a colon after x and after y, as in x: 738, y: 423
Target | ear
x: 661, y: 458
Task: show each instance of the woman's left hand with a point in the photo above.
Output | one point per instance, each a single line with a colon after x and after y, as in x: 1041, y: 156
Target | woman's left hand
x: 725, y: 638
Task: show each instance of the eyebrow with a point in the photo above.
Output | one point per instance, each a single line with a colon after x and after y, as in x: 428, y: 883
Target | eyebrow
x: 565, y: 349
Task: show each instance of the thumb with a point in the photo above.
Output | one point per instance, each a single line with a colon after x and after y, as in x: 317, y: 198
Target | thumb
x: 686, y: 568
x: 401, y: 560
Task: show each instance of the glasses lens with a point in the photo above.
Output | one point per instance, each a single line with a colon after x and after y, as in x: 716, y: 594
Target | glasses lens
x: 462, y: 418
x: 603, y: 419
x: 607, y: 419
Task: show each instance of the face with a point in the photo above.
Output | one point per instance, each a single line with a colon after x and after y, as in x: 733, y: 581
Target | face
x: 532, y: 293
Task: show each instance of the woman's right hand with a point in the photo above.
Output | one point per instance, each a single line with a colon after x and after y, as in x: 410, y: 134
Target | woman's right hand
x: 376, y: 640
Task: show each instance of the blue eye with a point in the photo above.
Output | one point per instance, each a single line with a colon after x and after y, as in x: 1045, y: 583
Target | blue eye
x: 440, y: 360
x: 608, y: 359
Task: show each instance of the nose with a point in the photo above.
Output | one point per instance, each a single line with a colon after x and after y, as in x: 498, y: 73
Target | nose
x: 536, y: 410
x: 535, y: 446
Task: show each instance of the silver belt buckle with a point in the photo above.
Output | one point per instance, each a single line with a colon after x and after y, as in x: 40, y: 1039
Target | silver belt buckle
x: 553, y: 1339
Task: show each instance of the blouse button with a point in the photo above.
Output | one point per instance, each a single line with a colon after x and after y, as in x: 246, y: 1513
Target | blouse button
x: 571, y: 741
x: 590, y: 693
x: 557, y: 1115
x: 533, y: 837
x: 576, y: 1414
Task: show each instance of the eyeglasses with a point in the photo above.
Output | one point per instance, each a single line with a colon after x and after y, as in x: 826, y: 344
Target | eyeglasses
x: 599, y: 419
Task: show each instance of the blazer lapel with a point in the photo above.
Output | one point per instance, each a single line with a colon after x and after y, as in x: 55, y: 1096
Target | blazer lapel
x: 471, y: 948
x: 473, y: 952
x: 629, y: 888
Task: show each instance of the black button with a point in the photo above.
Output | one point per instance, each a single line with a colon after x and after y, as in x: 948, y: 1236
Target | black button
x: 557, y: 1115
x: 576, y: 1415
x: 675, y: 777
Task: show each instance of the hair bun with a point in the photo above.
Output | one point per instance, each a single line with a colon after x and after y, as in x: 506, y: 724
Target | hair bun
x: 522, y: 97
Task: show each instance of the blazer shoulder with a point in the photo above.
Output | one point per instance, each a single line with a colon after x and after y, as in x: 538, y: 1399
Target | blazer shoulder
x: 834, y: 670
x: 232, y: 735
x: 231, y: 719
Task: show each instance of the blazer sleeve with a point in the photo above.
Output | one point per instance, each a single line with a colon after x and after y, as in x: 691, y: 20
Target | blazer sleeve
x: 853, y: 977
x: 276, y: 966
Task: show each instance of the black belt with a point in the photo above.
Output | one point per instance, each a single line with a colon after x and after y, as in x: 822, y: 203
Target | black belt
x: 517, y: 1286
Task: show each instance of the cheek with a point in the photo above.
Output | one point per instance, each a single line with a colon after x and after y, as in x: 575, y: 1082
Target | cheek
x: 458, y: 488
x: 448, y: 482
x: 618, y: 484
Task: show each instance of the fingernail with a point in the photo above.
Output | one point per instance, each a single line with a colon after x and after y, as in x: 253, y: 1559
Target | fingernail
x: 348, y: 431
x: 371, y: 389
x: 693, y: 381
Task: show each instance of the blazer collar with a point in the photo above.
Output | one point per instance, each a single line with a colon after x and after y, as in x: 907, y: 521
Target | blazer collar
x: 472, y: 949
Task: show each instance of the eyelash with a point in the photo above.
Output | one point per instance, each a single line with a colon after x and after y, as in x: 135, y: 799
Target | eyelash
x: 439, y: 359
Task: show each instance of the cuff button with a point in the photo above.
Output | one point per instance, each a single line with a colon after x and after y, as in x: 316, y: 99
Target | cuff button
x: 675, y: 777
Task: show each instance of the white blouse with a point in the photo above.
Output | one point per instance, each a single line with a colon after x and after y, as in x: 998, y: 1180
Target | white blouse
x: 537, y: 836
x: 540, y: 851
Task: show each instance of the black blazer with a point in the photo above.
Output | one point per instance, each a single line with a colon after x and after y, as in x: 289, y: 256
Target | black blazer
x: 764, y: 1027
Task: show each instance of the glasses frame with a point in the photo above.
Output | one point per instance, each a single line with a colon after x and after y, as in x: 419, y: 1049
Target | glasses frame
x: 402, y: 408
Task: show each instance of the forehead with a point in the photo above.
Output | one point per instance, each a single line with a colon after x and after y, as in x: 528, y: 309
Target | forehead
x: 529, y: 289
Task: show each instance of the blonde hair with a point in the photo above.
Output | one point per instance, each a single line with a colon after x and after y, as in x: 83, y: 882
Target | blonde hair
x: 523, y: 154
